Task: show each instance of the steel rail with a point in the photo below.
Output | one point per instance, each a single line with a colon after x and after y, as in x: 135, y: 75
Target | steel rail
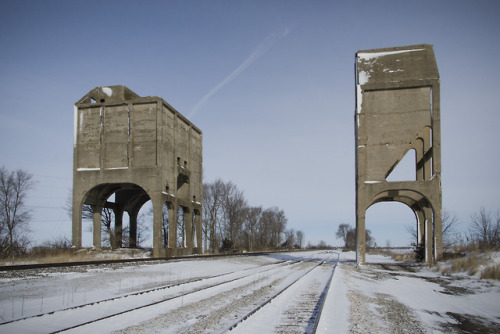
x: 267, y: 301
x: 141, y: 292
x: 171, y: 298
x: 118, y: 261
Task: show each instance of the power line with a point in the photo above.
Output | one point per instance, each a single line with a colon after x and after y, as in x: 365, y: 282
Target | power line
x: 54, y: 177
x: 49, y: 220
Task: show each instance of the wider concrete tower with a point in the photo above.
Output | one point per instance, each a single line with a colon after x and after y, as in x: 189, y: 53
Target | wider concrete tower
x: 398, y: 113
x: 138, y: 148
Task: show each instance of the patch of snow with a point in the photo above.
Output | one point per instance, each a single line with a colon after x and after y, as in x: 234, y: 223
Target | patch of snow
x: 114, y: 168
x: 359, y: 99
x: 363, y: 77
x: 372, y: 182
x: 372, y: 55
x: 85, y: 169
x: 108, y: 91
x: 335, y: 315
x: 386, y: 70
x: 75, y: 124
x: 425, y: 294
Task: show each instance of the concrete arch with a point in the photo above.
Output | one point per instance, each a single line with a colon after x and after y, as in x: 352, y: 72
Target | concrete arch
x: 424, y: 211
x: 129, y: 197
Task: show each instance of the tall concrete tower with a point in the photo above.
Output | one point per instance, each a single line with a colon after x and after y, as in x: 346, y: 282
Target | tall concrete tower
x: 398, y: 113
x: 139, y: 149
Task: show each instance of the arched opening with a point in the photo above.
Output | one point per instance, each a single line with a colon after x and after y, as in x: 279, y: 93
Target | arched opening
x: 181, y: 228
x: 104, y: 206
x: 389, y: 223
x: 164, y: 226
x: 145, y: 226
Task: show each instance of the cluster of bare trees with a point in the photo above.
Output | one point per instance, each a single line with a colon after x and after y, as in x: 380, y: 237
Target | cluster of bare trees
x: 484, y: 230
x: 230, y: 223
x: 348, y: 234
x: 112, y: 236
x: 14, y: 214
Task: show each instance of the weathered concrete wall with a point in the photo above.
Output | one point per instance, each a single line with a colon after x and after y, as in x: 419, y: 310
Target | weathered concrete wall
x: 140, y: 148
x: 398, y: 112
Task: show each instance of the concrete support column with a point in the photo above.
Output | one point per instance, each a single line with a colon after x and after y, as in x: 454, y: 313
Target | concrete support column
x: 157, y: 225
x: 96, y: 226
x: 429, y: 238
x: 188, y: 227
x: 118, y: 228
x: 427, y: 159
x: 438, y: 233
x: 419, y: 159
x: 360, y: 238
x: 420, y: 226
x: 76, y: 239
x: 132, y: 241
x: 172, y: 226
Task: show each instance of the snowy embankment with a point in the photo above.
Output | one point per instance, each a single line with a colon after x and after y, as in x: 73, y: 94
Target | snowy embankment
x: 383, y: 297
x: 211, y: 294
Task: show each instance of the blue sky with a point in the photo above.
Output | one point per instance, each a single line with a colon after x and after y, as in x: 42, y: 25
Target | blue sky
x: 270, y: 84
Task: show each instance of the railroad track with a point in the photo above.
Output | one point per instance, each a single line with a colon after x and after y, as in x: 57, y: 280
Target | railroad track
x: 243, y: 292
x: 15, y: 267
x: 303, y: 315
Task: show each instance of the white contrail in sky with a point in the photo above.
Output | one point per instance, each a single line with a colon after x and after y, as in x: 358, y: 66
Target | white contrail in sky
x: 259, y: 51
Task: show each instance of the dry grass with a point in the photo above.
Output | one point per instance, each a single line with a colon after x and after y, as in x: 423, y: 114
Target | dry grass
x: 475, y: 264
x: 70, y: 255
x: 404, y: 256
x: 491, y: 272
x: 399, y: 257
x: 470, y: 264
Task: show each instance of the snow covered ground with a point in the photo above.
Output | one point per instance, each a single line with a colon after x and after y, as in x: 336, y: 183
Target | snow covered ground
x: 383, y: 297
x: 209, y: 295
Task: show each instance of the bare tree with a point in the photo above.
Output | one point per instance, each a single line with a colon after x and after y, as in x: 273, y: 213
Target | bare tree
x: 227, y: 218
x: 234, y: 207
x: 484, y: 229
x: 272, y: 225
x: 109, y: 236
x: 181, y: 228
x: 212, y: 201
x: 251, y: 226
x: 342, y: 233
x: 450, y: 224
x: 289, y: 238
x: 299, y: 236
x: 348, y: 234
x: 14, y: 215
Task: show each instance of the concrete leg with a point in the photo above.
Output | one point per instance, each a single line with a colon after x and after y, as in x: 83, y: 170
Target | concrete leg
x: 360, y: 239
x: 420, y: 227
x: 172, y: 226
x: 429, y: 237
x: 438, y: 233
x: 76, y: 239
x: 157, y: 225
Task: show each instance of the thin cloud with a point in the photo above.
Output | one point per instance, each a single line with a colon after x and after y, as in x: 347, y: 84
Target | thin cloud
x: 258, y: 52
